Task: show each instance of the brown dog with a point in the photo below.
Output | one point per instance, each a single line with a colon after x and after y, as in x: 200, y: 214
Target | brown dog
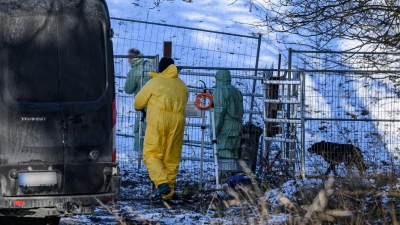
x: 335, y: 153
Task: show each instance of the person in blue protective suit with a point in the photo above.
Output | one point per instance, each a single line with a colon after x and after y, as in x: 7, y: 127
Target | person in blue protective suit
x: 165, y: 97
x: 132, y: 86
x: 228, y: 111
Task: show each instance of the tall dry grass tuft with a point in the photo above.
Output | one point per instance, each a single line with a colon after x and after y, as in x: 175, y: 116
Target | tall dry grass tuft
x: 350, y: 200
x: 117, y: 217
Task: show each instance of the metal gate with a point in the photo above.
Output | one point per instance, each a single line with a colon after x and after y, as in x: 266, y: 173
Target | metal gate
x: 283, y: 122
x: 332, y: 97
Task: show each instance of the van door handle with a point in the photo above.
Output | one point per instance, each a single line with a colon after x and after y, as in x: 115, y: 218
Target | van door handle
x: 75, y: 119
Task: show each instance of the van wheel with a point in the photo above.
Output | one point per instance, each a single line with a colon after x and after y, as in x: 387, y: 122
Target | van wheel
x: 12, y: 220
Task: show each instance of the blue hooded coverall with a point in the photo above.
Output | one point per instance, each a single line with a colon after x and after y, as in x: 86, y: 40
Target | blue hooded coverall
x: 165, y: 96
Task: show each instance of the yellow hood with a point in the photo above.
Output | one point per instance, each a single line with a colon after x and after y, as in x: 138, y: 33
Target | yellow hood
x: 171, y: 72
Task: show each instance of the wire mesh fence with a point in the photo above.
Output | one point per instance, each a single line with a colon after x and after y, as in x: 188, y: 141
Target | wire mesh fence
x: 199, y: 54
x: 348, y: 101
x: 197, y: 152
x: 353, y: 109
x: 342, y: 100
x: 191, y: 46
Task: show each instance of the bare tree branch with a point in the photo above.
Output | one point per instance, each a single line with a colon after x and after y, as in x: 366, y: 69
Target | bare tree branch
x: 371, y: 25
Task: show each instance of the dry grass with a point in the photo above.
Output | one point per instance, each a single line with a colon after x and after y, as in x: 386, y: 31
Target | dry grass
x: 117, y: 217
x: 350, y: 200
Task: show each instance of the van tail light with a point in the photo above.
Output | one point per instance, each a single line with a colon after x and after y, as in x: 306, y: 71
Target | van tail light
x: 114, y: 130
x: 19, y: 202
x: 109, y: 199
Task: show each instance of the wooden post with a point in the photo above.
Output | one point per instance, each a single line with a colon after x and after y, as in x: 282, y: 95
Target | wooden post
x: 167, y: 51
x: 273, y: 108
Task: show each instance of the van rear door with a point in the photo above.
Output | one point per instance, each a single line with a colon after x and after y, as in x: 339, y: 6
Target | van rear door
x: 30, y: 113
x: 56, y: 93
x: 85, y: 96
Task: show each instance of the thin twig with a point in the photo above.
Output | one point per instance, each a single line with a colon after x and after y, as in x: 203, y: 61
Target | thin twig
x: 109, y: 210
x: 209, y: 206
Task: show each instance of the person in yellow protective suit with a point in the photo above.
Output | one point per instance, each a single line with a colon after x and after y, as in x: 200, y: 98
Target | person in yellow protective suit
x: 165, y: 96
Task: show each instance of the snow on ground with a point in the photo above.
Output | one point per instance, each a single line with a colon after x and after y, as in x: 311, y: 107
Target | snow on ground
x: 234, y: 16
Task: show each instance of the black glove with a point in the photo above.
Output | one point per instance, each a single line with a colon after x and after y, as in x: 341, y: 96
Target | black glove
x: 143, y: 115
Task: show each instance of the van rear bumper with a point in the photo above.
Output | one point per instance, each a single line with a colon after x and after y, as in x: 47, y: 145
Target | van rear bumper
x: 44, y: 206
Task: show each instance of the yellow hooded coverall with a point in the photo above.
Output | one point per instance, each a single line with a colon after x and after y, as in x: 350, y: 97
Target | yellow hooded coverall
x: 166, y: 97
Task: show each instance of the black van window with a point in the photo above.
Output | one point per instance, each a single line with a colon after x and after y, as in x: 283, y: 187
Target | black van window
x: 52, y: 59
x: 82, y: 59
